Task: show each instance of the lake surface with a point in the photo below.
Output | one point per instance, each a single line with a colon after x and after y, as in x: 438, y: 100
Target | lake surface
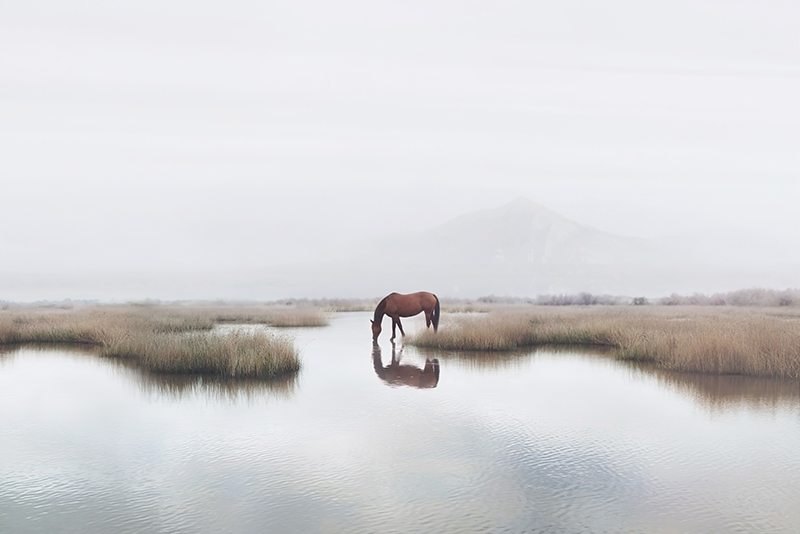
x: 547, y: 441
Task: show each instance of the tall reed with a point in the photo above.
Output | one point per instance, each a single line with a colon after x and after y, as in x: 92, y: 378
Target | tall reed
x: 709, y: 340
x: 287, y: 315
x: 159, y: 340
x: 237, y: 354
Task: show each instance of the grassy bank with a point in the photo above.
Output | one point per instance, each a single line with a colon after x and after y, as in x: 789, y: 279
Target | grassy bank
x: 285, y: 315
x: 756, y: 342
x: 163, y: 340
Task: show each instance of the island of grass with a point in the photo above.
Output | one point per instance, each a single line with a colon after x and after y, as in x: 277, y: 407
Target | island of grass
x: 706, y: 339
x: 170, y: 340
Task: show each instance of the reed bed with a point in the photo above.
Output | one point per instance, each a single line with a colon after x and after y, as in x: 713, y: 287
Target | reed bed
x: 237, y: 354
x: 275, y: 315
x: 331, y: 305
x: 751, y: 342
x: 160, y: 340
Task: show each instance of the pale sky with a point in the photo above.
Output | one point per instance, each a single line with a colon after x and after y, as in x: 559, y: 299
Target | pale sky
x: 164, y: 135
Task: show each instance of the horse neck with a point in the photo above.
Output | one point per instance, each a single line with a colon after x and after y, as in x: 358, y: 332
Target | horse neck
x: 379, y: 311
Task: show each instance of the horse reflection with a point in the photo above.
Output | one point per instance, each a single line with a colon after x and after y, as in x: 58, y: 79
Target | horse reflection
x: 396, y: 374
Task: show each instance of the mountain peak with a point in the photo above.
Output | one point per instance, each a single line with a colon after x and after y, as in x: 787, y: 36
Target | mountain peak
x: 525, y: 211
x: 523, y: 203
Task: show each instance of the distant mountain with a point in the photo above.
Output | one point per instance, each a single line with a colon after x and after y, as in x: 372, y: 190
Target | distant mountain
x: 518, y: 233
x: 518, y: 249
x: 525, y: 233
x: 524, y: 248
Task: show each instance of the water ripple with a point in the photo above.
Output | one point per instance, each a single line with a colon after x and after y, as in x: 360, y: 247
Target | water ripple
x: 548, y: 443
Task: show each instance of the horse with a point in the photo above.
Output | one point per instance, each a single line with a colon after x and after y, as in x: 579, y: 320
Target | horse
x: 396, y: 305
x: 405, y: 375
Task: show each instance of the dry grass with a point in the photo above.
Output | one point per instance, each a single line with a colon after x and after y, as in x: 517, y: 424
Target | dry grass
x: 160, y: 340
x: 287, y: 315
x: 233, y: 355
x: 330, y: 305
x: 756, y: 342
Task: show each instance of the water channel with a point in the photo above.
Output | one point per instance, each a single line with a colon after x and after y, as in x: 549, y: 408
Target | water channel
x: 545, y: 441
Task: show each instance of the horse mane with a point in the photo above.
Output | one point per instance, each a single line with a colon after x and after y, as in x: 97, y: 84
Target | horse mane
x: 380, y: 309
x: 435, y: 321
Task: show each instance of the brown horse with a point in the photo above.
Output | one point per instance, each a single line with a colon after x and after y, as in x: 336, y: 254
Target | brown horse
x: 396, y: 305
x: 397, y: 374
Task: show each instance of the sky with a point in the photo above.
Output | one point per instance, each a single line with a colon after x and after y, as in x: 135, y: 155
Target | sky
x: 177, y: 136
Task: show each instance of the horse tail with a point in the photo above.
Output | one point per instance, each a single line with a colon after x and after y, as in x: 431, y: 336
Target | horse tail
x: 435, y: 319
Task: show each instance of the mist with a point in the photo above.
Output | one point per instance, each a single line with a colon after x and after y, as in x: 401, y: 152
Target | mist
x: 267, y: 150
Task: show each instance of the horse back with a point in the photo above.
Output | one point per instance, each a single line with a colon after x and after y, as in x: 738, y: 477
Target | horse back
x: 411, y: 304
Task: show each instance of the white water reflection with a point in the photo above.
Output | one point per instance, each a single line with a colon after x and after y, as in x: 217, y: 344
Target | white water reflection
x: 551, y: 441
x: 398, y: 373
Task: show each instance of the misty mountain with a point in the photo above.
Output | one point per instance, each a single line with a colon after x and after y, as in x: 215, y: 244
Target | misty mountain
x: 520, y: 233
x: 523, y: 248
x: 518, y: 249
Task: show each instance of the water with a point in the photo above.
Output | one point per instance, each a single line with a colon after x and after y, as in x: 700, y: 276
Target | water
x: 549, y: 441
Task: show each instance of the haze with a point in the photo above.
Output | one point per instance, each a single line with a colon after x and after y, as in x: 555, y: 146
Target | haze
x: 199, y: 150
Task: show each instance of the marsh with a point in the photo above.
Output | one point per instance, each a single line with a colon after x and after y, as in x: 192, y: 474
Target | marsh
x: 556, y: 439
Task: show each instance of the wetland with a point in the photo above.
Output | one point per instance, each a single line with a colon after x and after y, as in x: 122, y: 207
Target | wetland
x: 536, y: 439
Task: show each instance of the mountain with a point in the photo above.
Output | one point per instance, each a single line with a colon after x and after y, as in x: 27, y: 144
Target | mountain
x: 518, y: 249
x: 523, y: 248
x: 525, y: 233
x: 518, y: 233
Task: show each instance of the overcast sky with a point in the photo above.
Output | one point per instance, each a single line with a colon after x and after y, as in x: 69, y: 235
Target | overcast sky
x: 150, y: 135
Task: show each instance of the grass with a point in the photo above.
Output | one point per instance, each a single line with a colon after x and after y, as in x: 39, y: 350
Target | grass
x: 331, y: 305
x: 744, y: 341
x: 285, y: 315
x: 162, y: 340
x: 233, y: 355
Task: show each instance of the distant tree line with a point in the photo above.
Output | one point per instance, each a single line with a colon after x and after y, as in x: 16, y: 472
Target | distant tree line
x: 743, y: 297
x: 577, y: 299
x: 755, y: 296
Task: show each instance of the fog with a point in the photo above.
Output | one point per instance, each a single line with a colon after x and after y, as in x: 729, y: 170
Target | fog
x: 203, y: 150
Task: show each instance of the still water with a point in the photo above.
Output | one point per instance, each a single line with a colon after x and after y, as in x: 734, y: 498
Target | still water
x: 546, y: 441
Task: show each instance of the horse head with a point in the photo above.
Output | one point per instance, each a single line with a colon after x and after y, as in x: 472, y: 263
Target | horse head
x: 376, y: 330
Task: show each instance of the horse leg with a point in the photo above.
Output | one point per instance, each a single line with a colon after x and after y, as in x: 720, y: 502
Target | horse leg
x: 428, y: 315
x: 401, y: 327
x: 394, y: 328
